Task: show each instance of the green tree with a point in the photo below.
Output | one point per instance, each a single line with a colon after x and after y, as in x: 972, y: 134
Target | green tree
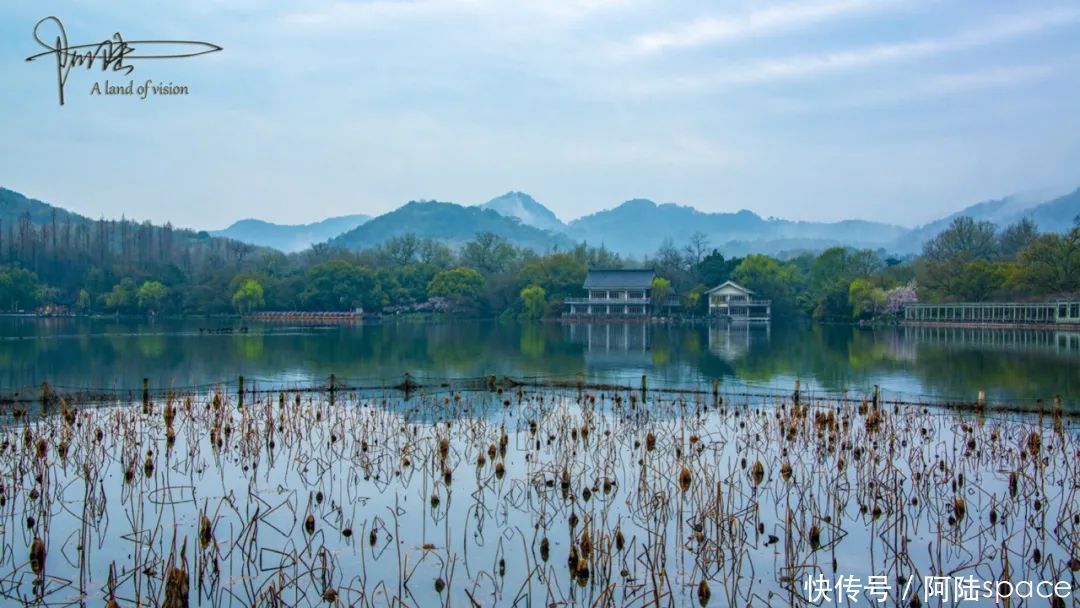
x: 964, y: 239
x: 533, y: 301
x: 122, y: 296
x: 20, y: 289
x: 560, y: 275
x: 82, y: 302
x: 946, y: 256
x: 414, y: 280
x: 866, y: 299
x: 488, y: 253
x: 461, y: 286
x: 338, y: 285
x: 1051, y: 263
x: 980, y: 280
x: 1017, y: 237
x: 151, y: 295
x: 770, y: 279
x: 248, y: 297
x: 660, y: 291
x: 714, y: 269
x: 693, y: 301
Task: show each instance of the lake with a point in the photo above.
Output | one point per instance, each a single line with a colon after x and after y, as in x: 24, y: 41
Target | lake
x: 906, y: 362
x: 520, y: 492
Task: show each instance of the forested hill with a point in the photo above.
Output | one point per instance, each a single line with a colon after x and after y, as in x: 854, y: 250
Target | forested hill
x: 72, y: 253
x: 451, y: 223
x: 291, y: 238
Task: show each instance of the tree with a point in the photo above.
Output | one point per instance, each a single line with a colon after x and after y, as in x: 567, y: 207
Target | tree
x: 1051, y: 263
x: 770, y: 279
x: 248, y: 297
x: 461, y: 286
x: 660, y: 291
x: 82, y: 303
x: 669, y: 262
x: 866, y: 299
x: 533, y: 301
x: 697, y: 247
x: 693, y: 301
x: 414, y: 279
x: 435, y: 253
x: 1017, y: 237
x: 488, y: 253
x: 964, y: 239
x: 980, y: 280
x: 151, y: 295
x: 402, y: 249
x: 19, y: 288
x: 946, y: 255
x: 338, y: 285
x: 714, y: 269
x: 122, y: 296
x: 560, y: 275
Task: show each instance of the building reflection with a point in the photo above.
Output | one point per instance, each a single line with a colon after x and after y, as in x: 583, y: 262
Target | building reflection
x: 613, y: 343
x: 1062, y: 342
x: 729, y: 341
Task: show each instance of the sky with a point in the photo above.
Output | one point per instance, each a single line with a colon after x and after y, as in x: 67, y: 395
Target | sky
x: 898, y: 111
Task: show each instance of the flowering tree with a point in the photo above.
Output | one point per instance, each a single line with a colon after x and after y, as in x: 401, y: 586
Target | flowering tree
x: 898, y: 297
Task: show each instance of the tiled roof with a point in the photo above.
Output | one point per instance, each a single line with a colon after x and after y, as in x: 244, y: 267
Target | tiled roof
x: 733, y: 284
x: 637, y: 278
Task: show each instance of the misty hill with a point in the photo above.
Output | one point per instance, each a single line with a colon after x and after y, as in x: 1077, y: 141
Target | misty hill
x: 290, y: 238
x: 641, y: 226
x: 15, y: 206
x: 1055, y: 215
x: 527, y: 209
x: 449, y: 222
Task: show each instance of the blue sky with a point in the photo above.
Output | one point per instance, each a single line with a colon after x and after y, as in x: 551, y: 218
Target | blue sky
x: 899, y: 111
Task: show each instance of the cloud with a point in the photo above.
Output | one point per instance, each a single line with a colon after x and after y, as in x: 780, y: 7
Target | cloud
x: 932, y: 87
x: 804, y: 66
x: 811, y: 65
x: 342, y: 13
x: 713, y: 30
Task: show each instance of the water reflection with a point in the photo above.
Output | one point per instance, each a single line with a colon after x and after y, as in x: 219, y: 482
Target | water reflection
x: 730, y: 341
x: 952, y: 363
x: 613, y: 345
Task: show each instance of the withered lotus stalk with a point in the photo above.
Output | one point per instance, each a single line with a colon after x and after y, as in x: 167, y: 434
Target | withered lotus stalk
x: 37, y: 556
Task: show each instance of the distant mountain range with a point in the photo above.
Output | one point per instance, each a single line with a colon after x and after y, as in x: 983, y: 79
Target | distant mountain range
x: 642, y: 226
x: 452, y: 223
x: 635, y: 228
x: 290, y: 238
x: 525, y: 208
x: 1055, y: 215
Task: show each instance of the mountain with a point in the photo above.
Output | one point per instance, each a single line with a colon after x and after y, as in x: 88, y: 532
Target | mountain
x: 641, y: 226
x: 290, y: 238
x: 15, y: 206
x: 449, y: 222
x: 1055, y: 215
x: 525, y: 208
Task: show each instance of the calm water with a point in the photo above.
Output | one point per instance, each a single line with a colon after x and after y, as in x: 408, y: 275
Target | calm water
x: 527, y: 496
x: 907, y: 362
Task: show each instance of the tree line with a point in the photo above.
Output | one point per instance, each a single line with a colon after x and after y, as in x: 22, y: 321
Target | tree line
x: 136, y: 268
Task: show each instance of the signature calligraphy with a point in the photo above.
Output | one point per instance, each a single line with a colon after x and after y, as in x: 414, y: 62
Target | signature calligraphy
x: 113, y: 53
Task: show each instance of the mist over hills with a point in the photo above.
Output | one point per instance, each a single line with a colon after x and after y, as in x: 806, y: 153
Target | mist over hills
x: 1054, y: 215
x: 635, y: 228
x: 525, y: 208
x: 452, y: 223
x: 290, y: 238
x: 641, y: 225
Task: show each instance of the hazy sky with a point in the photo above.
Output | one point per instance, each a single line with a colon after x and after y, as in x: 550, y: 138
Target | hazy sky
x: 808, y: 109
